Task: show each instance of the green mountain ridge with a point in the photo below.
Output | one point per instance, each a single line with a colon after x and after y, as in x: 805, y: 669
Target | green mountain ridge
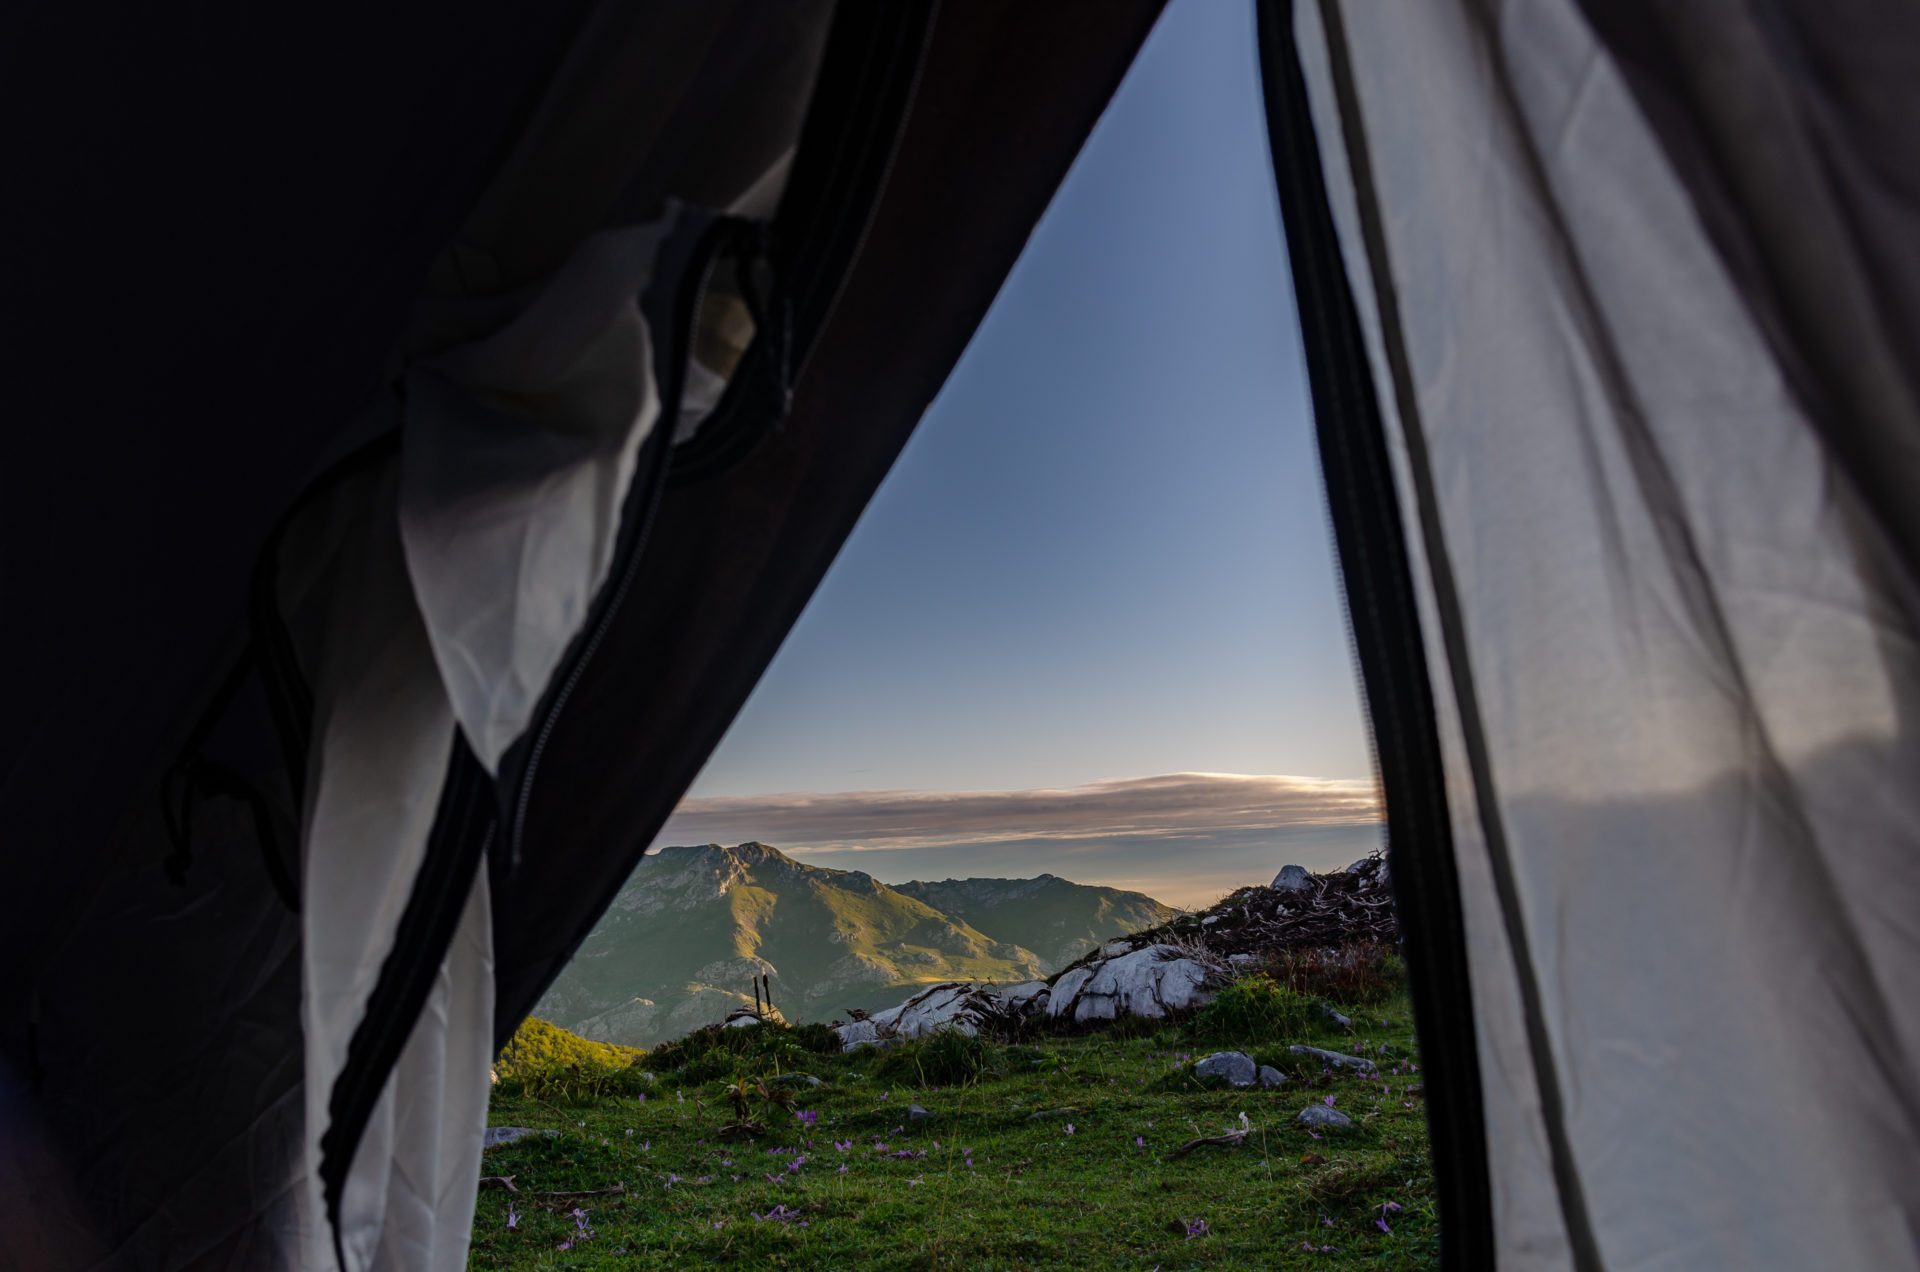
x: 1056, y: 918
x: 695, y: 926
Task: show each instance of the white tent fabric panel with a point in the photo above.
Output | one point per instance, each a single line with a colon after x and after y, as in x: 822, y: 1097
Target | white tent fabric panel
x: 519, y: 448
x: 384, y: 729
x: 1680, y: 659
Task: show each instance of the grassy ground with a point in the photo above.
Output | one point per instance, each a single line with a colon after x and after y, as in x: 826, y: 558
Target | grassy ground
x: 1058, y: 1158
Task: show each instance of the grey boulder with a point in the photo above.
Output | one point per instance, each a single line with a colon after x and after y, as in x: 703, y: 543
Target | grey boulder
x: 1322, y: 1116
x: 1335, y: 1059
x: 1270, y: 1076
x: 915, y: 1113
x: 1235, y: 1067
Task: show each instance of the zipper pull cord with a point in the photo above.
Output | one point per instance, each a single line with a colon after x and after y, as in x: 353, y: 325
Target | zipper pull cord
x: 772, y: 308
x: 192, y: 777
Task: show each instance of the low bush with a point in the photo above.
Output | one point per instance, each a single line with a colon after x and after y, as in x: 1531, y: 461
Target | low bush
x: 945, y: 1057
x: 817, y: 1038
x: 539, y: 1047
x: 1353, y: 975
x: 712, y: 1065
x: 1255, y: 1009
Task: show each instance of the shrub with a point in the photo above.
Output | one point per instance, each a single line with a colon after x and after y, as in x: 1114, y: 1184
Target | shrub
x: 537, y: 1047
x: 1353, y: 975
x: 945, y: 1057
x: 770, y: 1043
x: 713, y: 1064
x: 816, y: 1038
x: 1255, y: 1009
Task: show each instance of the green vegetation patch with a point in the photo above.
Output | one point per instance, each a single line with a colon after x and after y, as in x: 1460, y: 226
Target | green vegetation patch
x: 1028, y: 1157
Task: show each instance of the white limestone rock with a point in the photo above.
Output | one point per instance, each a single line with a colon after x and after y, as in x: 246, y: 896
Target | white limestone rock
x: 1291, y: 878
x: 1026, y: 999
x: 1150, y: 982
x: 1066, y: 990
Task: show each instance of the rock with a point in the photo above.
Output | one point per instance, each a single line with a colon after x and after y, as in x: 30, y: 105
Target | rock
x: 1148, y: 982
x: 962, y: 1005
x: 1335, y: 1059
x: 1024, y: 1000
x: 1115, y: 948
x: 1210, y: 920
x: 1362, y: 866
x: 1243, y: 959
x: 1067, y: 989
x: 1270, y: 1076
x: 498, y: 1135
x: 915, y: 1113
x: 1291, y: 878
x: 1321, y: 1116
x: 1327, y: 1010
x: 1236, y: 1067
x: 857, y: 1033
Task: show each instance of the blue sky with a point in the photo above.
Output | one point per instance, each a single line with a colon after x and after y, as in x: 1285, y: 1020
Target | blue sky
x: 1104, y: 553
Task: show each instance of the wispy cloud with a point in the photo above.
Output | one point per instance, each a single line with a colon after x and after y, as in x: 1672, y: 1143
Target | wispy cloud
x: 1157, y: 807
x: 1181, y: 836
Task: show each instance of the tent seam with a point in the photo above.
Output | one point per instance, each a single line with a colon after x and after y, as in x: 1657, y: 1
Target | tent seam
x: 1580, y: 1233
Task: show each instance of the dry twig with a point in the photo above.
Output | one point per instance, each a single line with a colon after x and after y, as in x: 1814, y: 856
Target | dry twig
x: 1231, y: 1139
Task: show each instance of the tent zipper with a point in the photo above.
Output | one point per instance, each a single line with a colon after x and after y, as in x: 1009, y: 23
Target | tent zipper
x: 823, y: 220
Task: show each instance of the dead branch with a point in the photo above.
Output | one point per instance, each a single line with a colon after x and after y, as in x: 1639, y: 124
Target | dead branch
x: 1232, y: 1139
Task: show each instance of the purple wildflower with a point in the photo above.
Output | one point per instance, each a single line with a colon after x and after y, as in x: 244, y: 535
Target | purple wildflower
x: 1139, y: 1141
x: 1327, y: 1100
x: 807, y: 1117
x: 1197, y: 1228
x: 1069, y: 1128
x: 843, y: 1147
x: 513, y: 1219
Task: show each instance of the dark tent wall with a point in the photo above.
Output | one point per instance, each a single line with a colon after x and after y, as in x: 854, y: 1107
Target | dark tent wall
x: 1608, y: 314
x: 305, y: 211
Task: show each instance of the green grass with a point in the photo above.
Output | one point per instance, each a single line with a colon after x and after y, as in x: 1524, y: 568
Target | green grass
x: 1030, y: 1194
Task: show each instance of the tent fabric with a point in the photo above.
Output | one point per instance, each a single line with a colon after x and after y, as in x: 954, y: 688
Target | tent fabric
x: 384, y: 729
x: 1671, y: 640
x: 309, y: 1091
x: 519, y: 450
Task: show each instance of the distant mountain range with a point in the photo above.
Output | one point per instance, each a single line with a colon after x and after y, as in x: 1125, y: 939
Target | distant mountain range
x: 686, y: 936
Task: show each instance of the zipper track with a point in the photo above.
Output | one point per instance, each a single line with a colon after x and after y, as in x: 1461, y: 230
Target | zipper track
x: 862, y: 159
x: 811, y: 247
x: 1384, y: 629
x: 659, y: 449
x: 455, y: 848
